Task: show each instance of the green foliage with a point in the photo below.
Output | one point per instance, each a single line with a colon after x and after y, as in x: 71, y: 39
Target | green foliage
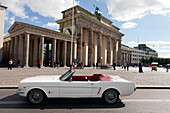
x: 161, y: 61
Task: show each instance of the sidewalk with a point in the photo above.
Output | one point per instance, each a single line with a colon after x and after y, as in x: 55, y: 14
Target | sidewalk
x: 10, y: 78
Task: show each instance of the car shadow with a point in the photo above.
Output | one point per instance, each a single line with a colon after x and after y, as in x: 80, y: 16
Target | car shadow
x: 17, y: 102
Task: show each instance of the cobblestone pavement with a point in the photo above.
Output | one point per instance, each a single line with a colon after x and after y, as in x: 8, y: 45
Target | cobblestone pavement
x: 161, y: 77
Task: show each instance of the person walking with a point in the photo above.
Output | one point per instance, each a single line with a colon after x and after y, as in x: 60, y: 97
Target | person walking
x: 127, y: 67
x: 39, y: 64
x: 97, y: 65
x: 140, y: 67
x: 124, y: 66
x: 93, y: 65
x: 167, y: 68
x: 114, y: 65
x: 10, y: 63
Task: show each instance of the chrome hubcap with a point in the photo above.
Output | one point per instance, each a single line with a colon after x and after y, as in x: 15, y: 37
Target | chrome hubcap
x: 111, y: 96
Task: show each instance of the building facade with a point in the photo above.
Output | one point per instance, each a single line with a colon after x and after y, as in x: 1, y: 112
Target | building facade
x: 148, y: 51
x: 126, y: 54
x: 134, y: 55
x: 94, y: 41
x: 137, y: 56
x: 2, y: 20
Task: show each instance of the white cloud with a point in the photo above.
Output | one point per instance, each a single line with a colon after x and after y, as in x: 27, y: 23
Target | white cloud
x: 128, y: 25
x: 11, y: 20
x: 52, y: 25
x: 162, y: 47
x: 46, y: 8
x: 34, y: 19
x: 16, y: 7
x: 153, y: 44
x: 126, y: 10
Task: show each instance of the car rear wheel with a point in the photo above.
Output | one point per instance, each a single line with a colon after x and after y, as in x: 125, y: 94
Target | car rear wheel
x: 111, y: 96
x: 36, y: 96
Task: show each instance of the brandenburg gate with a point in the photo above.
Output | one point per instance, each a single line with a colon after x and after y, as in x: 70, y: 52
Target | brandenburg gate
x: 94, y: 41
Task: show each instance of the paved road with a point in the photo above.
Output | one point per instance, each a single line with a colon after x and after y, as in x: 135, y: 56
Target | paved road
x: 142, y: 101
x: 161, y: 77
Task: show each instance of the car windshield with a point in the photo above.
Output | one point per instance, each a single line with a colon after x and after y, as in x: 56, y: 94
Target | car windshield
x: 67, y: 75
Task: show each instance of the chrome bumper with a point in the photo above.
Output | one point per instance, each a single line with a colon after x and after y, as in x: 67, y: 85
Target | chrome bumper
x: 20, y: 92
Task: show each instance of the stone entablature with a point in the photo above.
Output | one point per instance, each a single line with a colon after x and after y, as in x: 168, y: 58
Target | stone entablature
x: 85, y: 21
x: 21, y: 28
x: 80, y: 10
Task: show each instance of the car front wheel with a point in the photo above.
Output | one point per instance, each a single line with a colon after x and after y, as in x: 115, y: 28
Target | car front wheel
x: 36, y: 96
x: 111, y: 96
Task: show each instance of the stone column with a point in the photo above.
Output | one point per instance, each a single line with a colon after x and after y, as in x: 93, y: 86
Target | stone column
x: 58, y: 51
x: 99, y: 49
x: 116, y: 51
x: 47, y: 53
x: 31, y: 50
x: 20, y: 54
x: 95, y: 48
x: 104, y: 50
x: 12, y: 48
x: 90, y: 48
x: 53, y: 51
x: 26, y: 49
x: 75, y: 49
x: 109, y: 50
x: 64, y: 52
x: 4, y: 51
x: 41, y: 51
x: 119, y: 52
x: 8, y: 49
x: 15, y: 51
x: 35, y: 52
x: 79, y: 42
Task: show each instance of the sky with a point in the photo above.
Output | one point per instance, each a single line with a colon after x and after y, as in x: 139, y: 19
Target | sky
x: 142, y: 21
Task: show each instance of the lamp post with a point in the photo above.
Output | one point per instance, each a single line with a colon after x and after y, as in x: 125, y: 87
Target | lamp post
x: 72, y: 33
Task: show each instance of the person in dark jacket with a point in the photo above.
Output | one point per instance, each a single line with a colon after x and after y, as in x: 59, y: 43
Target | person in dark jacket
x: 140, y: 67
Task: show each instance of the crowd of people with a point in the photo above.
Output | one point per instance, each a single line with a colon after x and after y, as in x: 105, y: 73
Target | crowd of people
x: 80, y: 65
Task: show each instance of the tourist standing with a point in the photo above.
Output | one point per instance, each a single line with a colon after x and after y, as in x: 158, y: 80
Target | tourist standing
x: 140, y: 67
x: 93, y: 65
x: 39, y: 64
x: 97, y: 65
x: 124, y: 66
x: 10, y: 63
x: 167, y: 68
x: 114, y: 65
x: 127, y: 67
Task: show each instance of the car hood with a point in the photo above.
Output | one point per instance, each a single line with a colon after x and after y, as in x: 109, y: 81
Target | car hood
x: 42, y: 78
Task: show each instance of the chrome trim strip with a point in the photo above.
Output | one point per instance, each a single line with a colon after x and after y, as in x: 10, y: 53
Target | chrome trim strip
x: 20, y: 92
x: 99, y: 90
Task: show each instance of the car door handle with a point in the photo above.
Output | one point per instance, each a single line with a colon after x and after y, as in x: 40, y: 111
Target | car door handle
x: 91, y: 83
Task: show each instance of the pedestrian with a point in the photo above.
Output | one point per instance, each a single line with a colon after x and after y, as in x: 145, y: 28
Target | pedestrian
x: 97, y: 65
x: 54, y: 64
x: 167, y: 68
x: 18, y: 63
x: 140, y: 67
x: 124, y: 66
x: 114, y: 65
x: 10, y: 63
x: 93, y: 65
x: 127, y: 67
x: 39, y: 64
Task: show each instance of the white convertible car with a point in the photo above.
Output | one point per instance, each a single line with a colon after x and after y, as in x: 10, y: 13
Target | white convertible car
x: 37, y: 88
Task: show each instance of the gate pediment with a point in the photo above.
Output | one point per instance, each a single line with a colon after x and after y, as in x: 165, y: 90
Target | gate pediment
x: 16, y: 26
